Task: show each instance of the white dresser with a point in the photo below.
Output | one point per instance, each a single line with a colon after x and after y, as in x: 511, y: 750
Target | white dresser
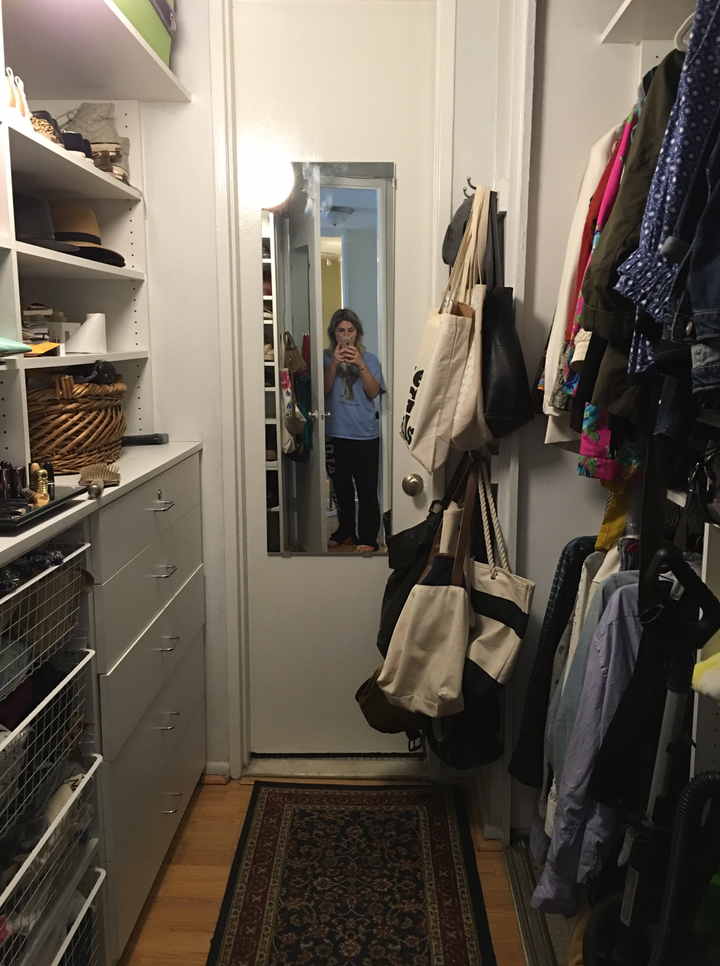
x: 148, y: 634
x: 131, y: 665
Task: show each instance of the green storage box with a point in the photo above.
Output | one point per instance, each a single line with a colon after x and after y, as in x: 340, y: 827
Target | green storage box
x: 154, y: 20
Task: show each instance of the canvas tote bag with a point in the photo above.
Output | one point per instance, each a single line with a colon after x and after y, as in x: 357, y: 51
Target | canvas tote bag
x: 423, y: 670
x: 501, y: 602
x: 470, y: 430
x: 428, y: 425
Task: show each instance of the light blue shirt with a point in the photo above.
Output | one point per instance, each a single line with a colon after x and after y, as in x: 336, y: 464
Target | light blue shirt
x: 583, y: 828
x: 352, y: 412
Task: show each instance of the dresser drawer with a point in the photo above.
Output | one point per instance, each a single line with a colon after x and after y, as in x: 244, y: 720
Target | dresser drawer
x: 133, y: 870
x: 129, y: 688
x: 127, y: 604
x: 123, y: 529
x: 130, y: 780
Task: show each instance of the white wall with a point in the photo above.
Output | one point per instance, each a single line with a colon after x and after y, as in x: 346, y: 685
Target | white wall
x: 361, y: 272
x: 582, y: 88
x: 180, y: 182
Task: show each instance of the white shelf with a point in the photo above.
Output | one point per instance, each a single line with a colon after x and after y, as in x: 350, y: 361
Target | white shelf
x: 267, y: 298
x: 44, y: 169
x: 269, y: 388
x: 271, y: 465
x: 84, y: 50
x: 273, y: 509
x: 72, y: 359
x: 639, y: 20
x: 36, y: 262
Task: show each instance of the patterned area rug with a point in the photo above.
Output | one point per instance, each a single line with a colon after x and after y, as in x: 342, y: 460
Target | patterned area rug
x: 335, y: 875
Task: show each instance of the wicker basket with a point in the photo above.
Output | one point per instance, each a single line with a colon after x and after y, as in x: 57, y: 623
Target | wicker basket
x: 73, y: 426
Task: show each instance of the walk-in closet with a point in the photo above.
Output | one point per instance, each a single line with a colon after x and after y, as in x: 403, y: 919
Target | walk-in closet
x: 359, y: 482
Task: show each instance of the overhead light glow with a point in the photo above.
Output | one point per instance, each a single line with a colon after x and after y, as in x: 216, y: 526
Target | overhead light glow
x: 266, y: 177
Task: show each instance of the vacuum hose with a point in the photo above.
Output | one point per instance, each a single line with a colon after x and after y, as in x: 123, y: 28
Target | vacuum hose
x: 694, y: 859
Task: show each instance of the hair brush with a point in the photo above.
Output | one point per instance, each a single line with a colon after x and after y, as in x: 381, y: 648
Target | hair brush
x: 98, y: 476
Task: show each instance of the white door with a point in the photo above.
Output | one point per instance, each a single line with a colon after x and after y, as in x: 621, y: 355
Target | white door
x: 312, y: 619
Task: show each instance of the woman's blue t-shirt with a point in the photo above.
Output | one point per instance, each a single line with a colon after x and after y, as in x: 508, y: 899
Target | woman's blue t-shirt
x: 352, y: 413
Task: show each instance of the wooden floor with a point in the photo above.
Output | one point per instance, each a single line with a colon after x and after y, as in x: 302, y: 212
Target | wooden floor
x: 179, y: 918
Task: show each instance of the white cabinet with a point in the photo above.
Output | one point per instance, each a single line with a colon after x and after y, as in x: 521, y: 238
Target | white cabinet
x: 149, y: 616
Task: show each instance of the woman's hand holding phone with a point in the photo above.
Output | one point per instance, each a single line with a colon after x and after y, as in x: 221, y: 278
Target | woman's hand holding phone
x: 350, y: 354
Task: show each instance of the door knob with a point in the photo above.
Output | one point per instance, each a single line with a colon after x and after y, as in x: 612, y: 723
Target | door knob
x: 413, y: 484
x: 317, y: 414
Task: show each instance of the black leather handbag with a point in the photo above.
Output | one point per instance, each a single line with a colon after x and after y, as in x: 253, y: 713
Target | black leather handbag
x: 506, y: 391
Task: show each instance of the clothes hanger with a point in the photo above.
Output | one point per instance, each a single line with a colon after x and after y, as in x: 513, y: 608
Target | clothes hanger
x: 680, y: 41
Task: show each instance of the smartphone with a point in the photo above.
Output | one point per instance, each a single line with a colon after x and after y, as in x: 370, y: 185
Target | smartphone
x: 348, y: 340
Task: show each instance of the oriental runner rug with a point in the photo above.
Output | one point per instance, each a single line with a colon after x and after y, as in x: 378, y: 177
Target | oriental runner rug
x: 337, y: 875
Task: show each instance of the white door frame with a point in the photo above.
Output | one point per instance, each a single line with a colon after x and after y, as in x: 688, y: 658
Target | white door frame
x: 520, y: 53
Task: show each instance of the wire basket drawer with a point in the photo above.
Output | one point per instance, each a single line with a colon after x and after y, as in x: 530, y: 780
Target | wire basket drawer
x: 81, y: 946
x: 34, y: 880
x: 31, y: 753
x: 39, y: 616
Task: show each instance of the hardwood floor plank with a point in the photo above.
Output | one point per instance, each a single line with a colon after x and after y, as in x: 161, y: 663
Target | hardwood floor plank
x: 178, y: 921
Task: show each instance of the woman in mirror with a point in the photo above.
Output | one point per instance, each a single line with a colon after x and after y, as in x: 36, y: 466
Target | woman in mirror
x: 353, y: 380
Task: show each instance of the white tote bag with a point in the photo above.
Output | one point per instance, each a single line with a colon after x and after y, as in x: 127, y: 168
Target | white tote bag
x: 448, y: 367
x: 427, y: 425
x: 469, y: 427
x: 501, y: 600
x: 423, y: 669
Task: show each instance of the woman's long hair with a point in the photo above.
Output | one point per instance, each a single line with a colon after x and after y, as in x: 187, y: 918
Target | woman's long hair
x: 345, y: 315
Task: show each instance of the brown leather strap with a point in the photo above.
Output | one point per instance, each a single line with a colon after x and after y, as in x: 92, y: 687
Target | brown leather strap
x: 471, y: 488
x: 458, y: 481
x: 461, y: 478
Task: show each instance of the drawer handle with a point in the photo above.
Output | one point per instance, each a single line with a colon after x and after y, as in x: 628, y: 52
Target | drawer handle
x: 171, y: 811
x: 165, y: 506
x: 163, y: 650
x: 170, y: 571
x: 172, y: 714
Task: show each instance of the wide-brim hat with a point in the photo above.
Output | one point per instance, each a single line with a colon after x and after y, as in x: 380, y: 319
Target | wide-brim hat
x: 34, y: 224
x: 77, y: 224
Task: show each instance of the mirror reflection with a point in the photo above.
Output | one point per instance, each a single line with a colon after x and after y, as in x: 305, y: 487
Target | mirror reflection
x: 327, y: 270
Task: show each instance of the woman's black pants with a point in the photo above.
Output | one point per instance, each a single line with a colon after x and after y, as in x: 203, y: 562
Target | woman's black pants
x: 355, y: 461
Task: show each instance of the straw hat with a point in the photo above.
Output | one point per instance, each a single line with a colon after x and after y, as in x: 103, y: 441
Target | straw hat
x: 77, y: 224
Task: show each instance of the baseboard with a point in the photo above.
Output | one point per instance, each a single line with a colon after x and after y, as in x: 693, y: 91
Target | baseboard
x: 216, y: 770
x: 214, y: 779
x: 387, y: 769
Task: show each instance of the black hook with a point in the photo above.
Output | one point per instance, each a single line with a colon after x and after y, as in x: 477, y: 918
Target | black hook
x: 465, y: 192
x: 471, y: 185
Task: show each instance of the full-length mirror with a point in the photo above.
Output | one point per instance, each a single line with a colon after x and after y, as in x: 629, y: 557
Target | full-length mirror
x: 327, y: 321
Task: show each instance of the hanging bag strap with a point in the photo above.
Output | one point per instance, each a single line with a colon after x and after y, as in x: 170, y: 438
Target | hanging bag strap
x: 493, y: 269
x: 458, y: 481
x: 466, y: 269
x: 487, y: 508
x: 472, y: 483
x: 466, y: 525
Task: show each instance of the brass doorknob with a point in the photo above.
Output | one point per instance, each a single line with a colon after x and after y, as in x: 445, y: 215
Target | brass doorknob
x: 413, y: 484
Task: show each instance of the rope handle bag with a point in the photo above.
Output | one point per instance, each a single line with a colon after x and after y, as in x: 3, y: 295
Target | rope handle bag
x: 501, y: 601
